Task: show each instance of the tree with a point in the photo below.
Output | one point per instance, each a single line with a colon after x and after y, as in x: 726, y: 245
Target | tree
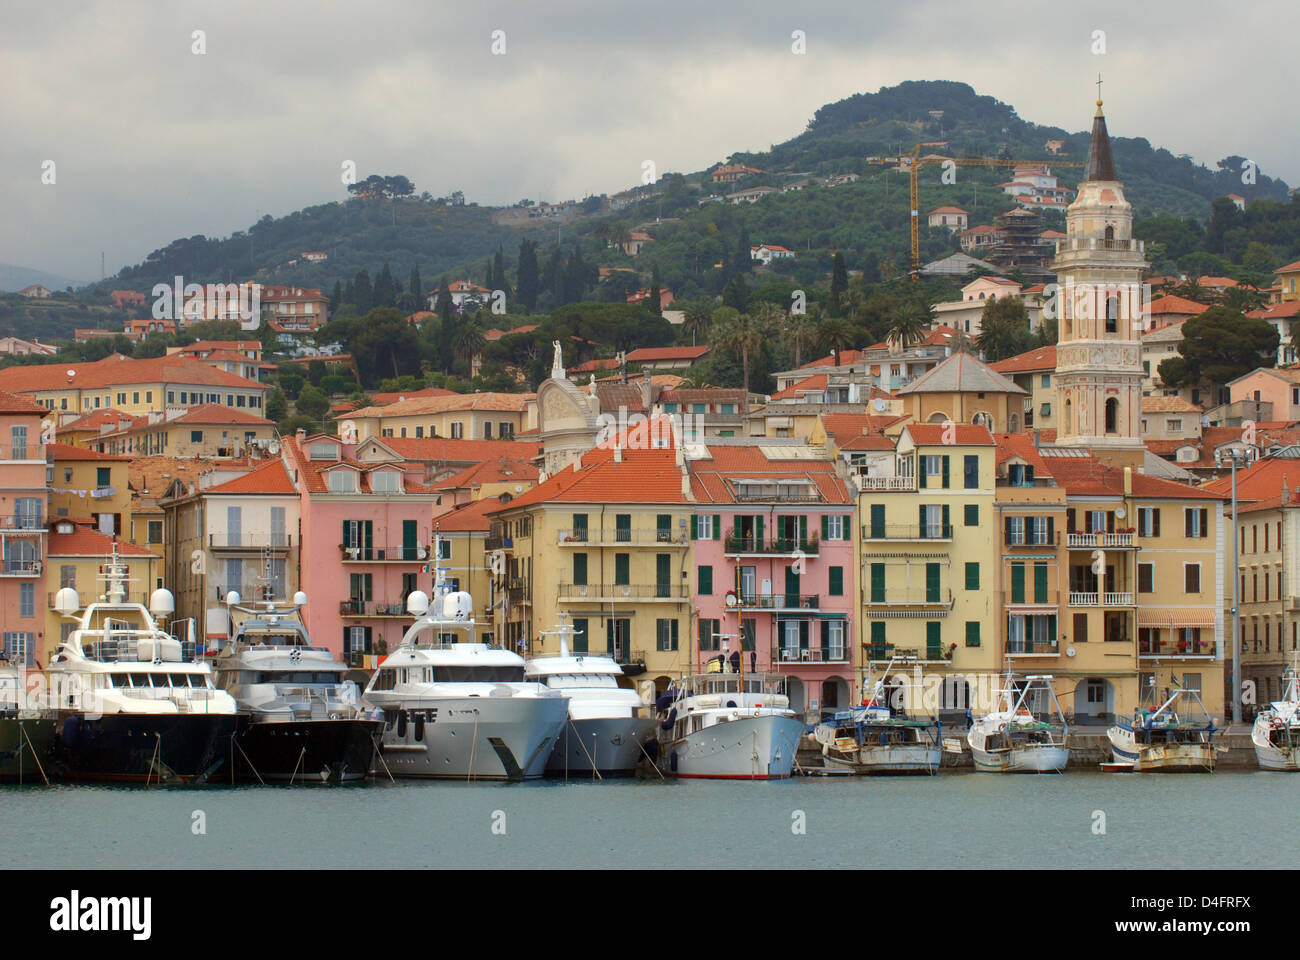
x: 837, y: 334
x: 698, y: 314
x: 415, y: 288
x: 839, y: 282
x: 291, y: 382
x: 386, y: 290
x: 383, y: 344
x: 526, y: 287
x: 499, y: 273
x: 802, y: 329
x: 739, y: 333
x: 908, y: 322
x: 736, y: 294
x: 1004, y: 329
x: 444, y: 302
x: 362, y: 296
x: 468, y: 341
x: 1219, y: 346
x: 312, y: 402
x: 277, y: 406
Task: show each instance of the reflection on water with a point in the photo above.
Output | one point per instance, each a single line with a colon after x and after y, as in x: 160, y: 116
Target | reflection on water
x: 953, y: 820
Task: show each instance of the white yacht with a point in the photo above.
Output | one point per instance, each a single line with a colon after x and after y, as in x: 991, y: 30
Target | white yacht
x: 1165, y: 740
x: 609, y: 723
x: 456, y: 708
x: 736, y: 726
x: 301, y: 717
x: 131, y: 700
x: 1012, y: 739
x: 1276, y: 733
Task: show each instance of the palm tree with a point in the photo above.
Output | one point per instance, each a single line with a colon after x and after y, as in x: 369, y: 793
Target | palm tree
x: 698, y: 314
x: 739, y: 333
x: 838, y: 334
x: 908, y: 323
x: 468, y: 341
x: 800, y: 329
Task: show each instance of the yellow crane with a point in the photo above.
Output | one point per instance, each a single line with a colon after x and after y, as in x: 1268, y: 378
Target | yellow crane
x: 914, y: 161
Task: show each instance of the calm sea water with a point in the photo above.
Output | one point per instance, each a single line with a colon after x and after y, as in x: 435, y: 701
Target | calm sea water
x: 957, y: 819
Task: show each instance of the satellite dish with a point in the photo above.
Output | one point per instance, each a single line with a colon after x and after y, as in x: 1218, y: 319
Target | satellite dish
x: 1120, y: 513
x: 1069, y: 651
x: 273, y: 447
x: 72, y: 373
x: 879, y: 404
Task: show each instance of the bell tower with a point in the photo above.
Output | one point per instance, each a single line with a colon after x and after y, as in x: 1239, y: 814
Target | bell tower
x: 1099, y: 269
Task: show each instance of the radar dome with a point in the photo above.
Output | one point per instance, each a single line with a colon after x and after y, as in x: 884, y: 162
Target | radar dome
x: 66, y: 602
x: 457, y: 606
x: 162, y: 603
x: 232, y: 597
x: 300, y: 599
x: 417, y: 604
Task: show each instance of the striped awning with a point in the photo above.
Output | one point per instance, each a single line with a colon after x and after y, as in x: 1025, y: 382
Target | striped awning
x: 1203, y: 617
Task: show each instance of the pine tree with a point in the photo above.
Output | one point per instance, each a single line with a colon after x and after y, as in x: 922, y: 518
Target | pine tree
x: 362, y: 295
x: 839, y: 282
x: 385, y: 292
x: 416, y: 288
x: 499, y: 272
x: 336, y: 298
x: 349, y: 297
x: 526, y: 288
x: 444, y: 303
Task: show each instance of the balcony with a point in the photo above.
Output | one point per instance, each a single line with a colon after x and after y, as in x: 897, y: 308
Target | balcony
x: 883, y: 653
x: 1024, y: 647
x: 810, y: 655
x: 22, y: 523
x: 371, y: 608
x: 383, y: 555
x: 1083, y: 599
x: 1030, y: 597
x: 1089, y: 541
x: 1176, y: 649
x: 780, y: 601
x: 498, y: 542
x: 886, y: 484
x: 640, y: 536
x: 775, y: 547
x: 907, y: 531
x: 597, y: 593
x: 20, y: 567
x: 911, y: 597
x: 249, y: 541
x: 1027, y: 539
x: 248, y: 591
x: 517, y: 591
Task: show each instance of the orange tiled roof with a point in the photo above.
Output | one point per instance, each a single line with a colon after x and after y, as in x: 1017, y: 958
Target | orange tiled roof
x: 419, y: 406
x: 652, y: 354
x: 16, y: 403
x: 1168, y: 405
x: 496, y: 470
x: 444, y: 450
x: 713, y: 479
x: 471, y: 517
x: 1040, y: 358
x: 88, y: 542
x: 816, y: 382
x: 271, y: 478
x: 118, y: 370
x: 66, y: 451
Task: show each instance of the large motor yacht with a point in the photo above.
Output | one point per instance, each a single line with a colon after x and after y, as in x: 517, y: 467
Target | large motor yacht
x: 609, y: 722
x: 456, y: 708
x: 131, y: 701
x: 25, y: 734
x: 302, y: 719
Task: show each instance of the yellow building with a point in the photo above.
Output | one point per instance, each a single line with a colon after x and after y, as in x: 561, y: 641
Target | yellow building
x: 77, y: 554
x: 464, y: 533
x: 963, y: 389
x: 136, y: 387
x: 208, y: 431
x: 607, y: 543
x: 468, y: 416
x: 90, y: 485
x: 1034, y: 372
x: 929, y: 578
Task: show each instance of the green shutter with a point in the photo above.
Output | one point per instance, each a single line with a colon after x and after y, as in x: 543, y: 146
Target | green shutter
x: 1040, y: 583
x: 877, y: 520
x: 704, y: 580
x: 973, y: 576
x: 877, y: 583
x: 580, y: 569
x: 972, y: 633
x: 1017, y: 583
x: 932, y: 583
x: 826, y: 527
x: 920, y: 472
x: 972, y: 515
x: 695, y: 527
x: 837, y: 581
x: 803, y: 529
x: 717, y: 526
x: 944, y: 461
x: 758, y: 528
x: 947, y: 523
x: 622, y: 567
x: 878, y: 635
x: 933, y: 640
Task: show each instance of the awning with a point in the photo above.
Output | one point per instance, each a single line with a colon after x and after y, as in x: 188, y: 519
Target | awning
x: 1204, y: 617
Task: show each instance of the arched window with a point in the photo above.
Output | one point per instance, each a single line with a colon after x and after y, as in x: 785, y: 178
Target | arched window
x: 1013, y: 424
x: 982, y: 419
x: 1112, y: 313
x: 1112, y: 415
x: 1069, y: 415
x: 1110, y: 234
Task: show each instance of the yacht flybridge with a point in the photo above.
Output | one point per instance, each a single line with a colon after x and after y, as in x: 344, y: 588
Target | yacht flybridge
x: 131, y: 701
x: 456, y: 708
x: 1176, y: 737
x: 1015, y: 739
x: 302, y: 719
x: 1276, y: 733
x: 608, y: 722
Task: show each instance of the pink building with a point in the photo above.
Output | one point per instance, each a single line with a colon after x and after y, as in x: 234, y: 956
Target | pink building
x: 774, y: 565
x: 1280, y: 387
x: 366, y: 536
x: 23, y: 539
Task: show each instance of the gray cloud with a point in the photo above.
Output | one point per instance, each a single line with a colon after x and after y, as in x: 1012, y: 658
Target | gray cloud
x: 153, y: 142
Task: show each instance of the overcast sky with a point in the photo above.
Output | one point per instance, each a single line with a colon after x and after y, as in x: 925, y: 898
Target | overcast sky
x: 152, y: 142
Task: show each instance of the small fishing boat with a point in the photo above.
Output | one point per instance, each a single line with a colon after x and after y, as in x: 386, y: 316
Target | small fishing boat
x: 1166, y: 739
x: 879, y: 737
x: 1015, y: 739
x: 1276, y: 733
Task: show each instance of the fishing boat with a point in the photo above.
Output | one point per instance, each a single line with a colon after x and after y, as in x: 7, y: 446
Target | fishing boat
x: 609, y: 723
x: 1015, y: 739
x: 302, y: 719
x: 1276, y: 733
x: 729, y: 725
x: 1176, y: 737
x: 25, y: 734
x: 454, y: 708
x: 131, y: 701
x: 879, y: 737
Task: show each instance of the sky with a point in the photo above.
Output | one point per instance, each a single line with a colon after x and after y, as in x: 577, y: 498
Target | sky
x: 151, y: 141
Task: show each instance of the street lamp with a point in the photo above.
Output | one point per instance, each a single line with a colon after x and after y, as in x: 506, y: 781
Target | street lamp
x: 1235, y: 456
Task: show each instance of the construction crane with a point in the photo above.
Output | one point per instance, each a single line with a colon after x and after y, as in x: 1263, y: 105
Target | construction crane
x: 914, y: 162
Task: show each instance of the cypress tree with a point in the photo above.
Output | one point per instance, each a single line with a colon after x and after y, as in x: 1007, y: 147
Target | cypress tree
x: 362, y: 295
x: 416, y: 288
x: 527, y: 274
x: 839, y: 282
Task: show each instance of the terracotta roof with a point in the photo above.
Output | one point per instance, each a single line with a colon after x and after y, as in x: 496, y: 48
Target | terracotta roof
x: 1278, y: 311
x: 383, y: 399
x: 816, y: 382
x: 652, y: 354
x: 705, y: 395
x: 713, y: 479
x: 444, y: 450
x: 213, y: 413
x: 471, y: 517
x: 613, y: 396
x: 1040, y: 358
x: 311, y: 472
x: 947, y: 210
x: 151, y: 476
x: 419, y: 406
x: 88, y: 542
x: 66, y: 451
x: 849, y: 430
x: 1088, y: 476
x: 1260, y: 480
x: 1168, y: 405
x: 118, y: 370
x: 961, y: 373
x: 16, y: 403
x: 271, y: 478
x: 965, y: 435
x: 1289, y: 268
x: 1176, y: 305
x: 496, y: 470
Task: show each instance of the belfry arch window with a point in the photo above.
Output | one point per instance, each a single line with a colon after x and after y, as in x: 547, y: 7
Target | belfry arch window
x: 1110, y: 234
x: 1112, y: 313
x: 1112, y: 415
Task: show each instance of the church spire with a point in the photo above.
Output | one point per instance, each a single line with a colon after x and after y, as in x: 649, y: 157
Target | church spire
x: 1100, y: 165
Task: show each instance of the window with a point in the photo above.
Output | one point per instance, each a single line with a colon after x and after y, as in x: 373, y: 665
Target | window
x: 385, y: 481
x: 1046, y: 380
x: 709, y: 630
x: 1112, y: 414
x: 972, y: 515
x: 834, y: 527
x: 1015, y: 531
x: 322, y: 451
x: 580, y: 569
x: 622, y: 569
x: 971, y: 471
x: 27, y: 600
x: 705, y: 526
x: 342, y: 481
x: 936, y: 467
x: 972, y: 575
x: 877, y: 583
x: 1195, y: 522
x: 666, y: 634
x: 1146, y: 578
x: 1192, y: 577
x: 457, y: 430
x: 103, y: 477
x: 972, y: 633
x: 1148, y: 521
x: 196, y: 436
x: 833, y: 639
x: 704, y: 580
x: 836, y: 577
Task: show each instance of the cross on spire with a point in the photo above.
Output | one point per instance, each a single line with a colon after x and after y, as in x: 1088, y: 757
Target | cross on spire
x: 1099, y: 89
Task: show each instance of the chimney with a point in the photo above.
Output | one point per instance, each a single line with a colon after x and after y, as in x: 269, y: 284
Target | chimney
x: 1128, y: 481
x: 618, y: 451
x: 300, y: 434
x: 1036, y: 435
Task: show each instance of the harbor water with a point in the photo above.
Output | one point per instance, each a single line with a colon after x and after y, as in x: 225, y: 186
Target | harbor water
x: 1228, y: 819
